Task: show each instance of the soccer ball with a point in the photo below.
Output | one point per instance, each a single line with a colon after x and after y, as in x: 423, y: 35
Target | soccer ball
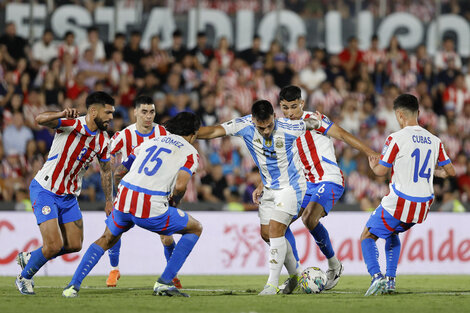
x: 312, y: 280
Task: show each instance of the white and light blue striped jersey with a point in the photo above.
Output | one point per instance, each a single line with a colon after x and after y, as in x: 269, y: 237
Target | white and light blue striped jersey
x: 277, y: 157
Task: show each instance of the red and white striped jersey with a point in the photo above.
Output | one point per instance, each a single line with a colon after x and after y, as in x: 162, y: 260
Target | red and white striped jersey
x: 412, y: 153
x: 127, y: 139
x: 73, y: 149
x: 299, y: 59
x: 144, y: 190
x: 317, y: 154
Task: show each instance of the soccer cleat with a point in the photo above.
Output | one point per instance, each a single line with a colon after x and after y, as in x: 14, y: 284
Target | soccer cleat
x: 70, y: 292
x: 24, y: 285
x: 269, y: 290
x: 390, y: 285
x: 161, y: 289
x: 22, y: 259
x: 177, y: 283
x: 333, y: 276
x: 113, y: 277
x: 289, y: 285
x: 377, y: 285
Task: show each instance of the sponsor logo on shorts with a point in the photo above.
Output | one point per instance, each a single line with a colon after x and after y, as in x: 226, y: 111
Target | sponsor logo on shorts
x: 181, y: 213
x: 46, y: 210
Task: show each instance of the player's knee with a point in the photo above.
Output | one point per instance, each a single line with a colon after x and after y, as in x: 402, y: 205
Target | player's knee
x: 366, y: 234
x: 74, y: 247
x: 51, y: 249
x: 196, y: 228
x: 166, y: 240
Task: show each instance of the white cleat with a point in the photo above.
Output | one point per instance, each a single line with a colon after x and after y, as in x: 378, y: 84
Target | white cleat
x: 70, y: 292
x: 269, y: 290
x: 24, y: 285
x: 22, y: 259
x: 161, y: 289
x: 377, y: 285
x: 289, y: 285
x: 333, y: 276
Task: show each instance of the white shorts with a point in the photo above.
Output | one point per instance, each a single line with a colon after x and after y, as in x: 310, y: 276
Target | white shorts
x: 287, y: 200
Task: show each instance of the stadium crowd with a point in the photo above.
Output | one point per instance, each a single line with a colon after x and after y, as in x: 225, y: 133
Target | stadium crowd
x: 355, y: 89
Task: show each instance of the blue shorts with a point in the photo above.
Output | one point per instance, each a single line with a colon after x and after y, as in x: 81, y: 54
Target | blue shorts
x: 170, y: 222
x: 383, y: 224
x: 326, y: 194
x: 47, y: 205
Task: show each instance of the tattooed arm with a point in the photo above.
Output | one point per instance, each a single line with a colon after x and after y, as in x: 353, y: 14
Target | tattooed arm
x: 107, y: 184
x: 119, y: 173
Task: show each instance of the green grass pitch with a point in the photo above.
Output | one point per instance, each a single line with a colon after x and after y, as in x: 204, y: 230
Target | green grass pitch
x: 236, y: 294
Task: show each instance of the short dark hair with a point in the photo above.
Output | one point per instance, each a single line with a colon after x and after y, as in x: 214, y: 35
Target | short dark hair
x: 290, y: 93
x: 183, y: 124
x: 99, y: 97
x: 69, y: 33
x: 142, y: 100
x: 201, y: 33
x: 120, y: 35
x: 177, y: 33
x: 407, y: 102
x: 262, y: 110
x: 92, y: 29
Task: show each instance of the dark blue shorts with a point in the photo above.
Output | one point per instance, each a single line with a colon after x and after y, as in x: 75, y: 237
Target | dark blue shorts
x: 170, y: 222
x: 326, y: 194
x: 47, y: 205
x: 383, y: 224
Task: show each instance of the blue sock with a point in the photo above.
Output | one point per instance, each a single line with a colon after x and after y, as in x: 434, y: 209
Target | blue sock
x: 61, y: 252
x: 89, y: 260
x: 183, y: 248
x: 114, y: 254
x: 371, y: 256
x: 168, y: 250
x: 392, y: 251
x: 36, y: 261
x: 320, y: 234
x: 290, y: 237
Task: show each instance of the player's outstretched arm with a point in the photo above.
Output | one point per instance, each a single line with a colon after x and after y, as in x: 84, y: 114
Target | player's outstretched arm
x: 376, y: 167
x: 180, y: 187
x: 446, y: 171
x: 51, y: 119
x: 107, y: 184
x: 339, y: 133
x: 210, y: 132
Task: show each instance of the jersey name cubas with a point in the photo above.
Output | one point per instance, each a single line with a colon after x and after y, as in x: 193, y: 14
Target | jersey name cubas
x: 74, y: 147
x: 144, y: 190
x: 412, y: 153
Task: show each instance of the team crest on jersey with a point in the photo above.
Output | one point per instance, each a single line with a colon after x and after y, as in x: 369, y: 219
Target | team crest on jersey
x: 181, y: 213
x: 279, y: 144
x: 46, y: 210
x: 268, y: 142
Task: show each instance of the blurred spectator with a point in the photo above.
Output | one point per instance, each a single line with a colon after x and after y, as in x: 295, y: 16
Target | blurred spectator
x: 22, y: 201
x: 93, y: 43
x: 44, y: 50
x: 395, y: 55
x: 281, y: 72
x: 312, y: 76
x: 351, y: 57
x: 446, y: 55
x: 92, y: 69
x: 118, y: 44
x: 326, y: 99
x: 202, y: 51
x: 464, y: 184
x: 177, y: 50
x: 456, y: 95
x: 299, y: 57
x: 373, y: 55
x: 16, y: 136
x: 214, y: 187
x: 253, y: 54
x: 404, y: 78
x: 334, y: 69
x: 12, y: 46
x: 419, y: 59
x: 223, y: 54
x: 68, y: 46
x: 132, y: 53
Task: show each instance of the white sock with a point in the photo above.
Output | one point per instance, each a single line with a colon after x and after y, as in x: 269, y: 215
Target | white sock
x: 333, y: 262
x: 276, y: 257
x: 290, y: 262
x: 114, y: 268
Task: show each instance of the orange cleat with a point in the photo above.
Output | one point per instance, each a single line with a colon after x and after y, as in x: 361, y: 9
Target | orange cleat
x: 113, y: 277
x: 177, y: 283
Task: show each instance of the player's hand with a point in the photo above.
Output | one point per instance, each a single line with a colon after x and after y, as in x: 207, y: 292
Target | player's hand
x: 440, y: 172
x: 318, y: 115
x: 70, y: 113
x: 108, y: 208
x: 373, y: 161
x: 257, y: 194
x: 171, y: 201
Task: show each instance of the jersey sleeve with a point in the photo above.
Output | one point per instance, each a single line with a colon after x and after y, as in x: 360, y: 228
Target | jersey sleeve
x: 191, y: 163
x: 442, y: 158
x: 68, y: 124
x: 325, y: 125
x: 131, y: 157
x: 389, y: 152
x: 236, y: 126
x: 105, y: 155
x: 117, y: 142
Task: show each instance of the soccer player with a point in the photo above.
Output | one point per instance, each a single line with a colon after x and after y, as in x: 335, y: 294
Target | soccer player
x: 55, y: 188
x: 122, y: 144
x: 412, y: 153
x: 271, y: 143
x: 325, y: 182
x: 152, y: 180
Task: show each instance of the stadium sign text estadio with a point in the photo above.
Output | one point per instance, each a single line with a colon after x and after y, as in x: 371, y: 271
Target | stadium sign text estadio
x: 161, y: 21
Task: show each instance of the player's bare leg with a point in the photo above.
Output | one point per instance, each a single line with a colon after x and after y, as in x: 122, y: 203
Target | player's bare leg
x: 370, y: 253
x: 168, y: 246
x: 190, y: 235
x: 311, y: 218
x: 52, y: 244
